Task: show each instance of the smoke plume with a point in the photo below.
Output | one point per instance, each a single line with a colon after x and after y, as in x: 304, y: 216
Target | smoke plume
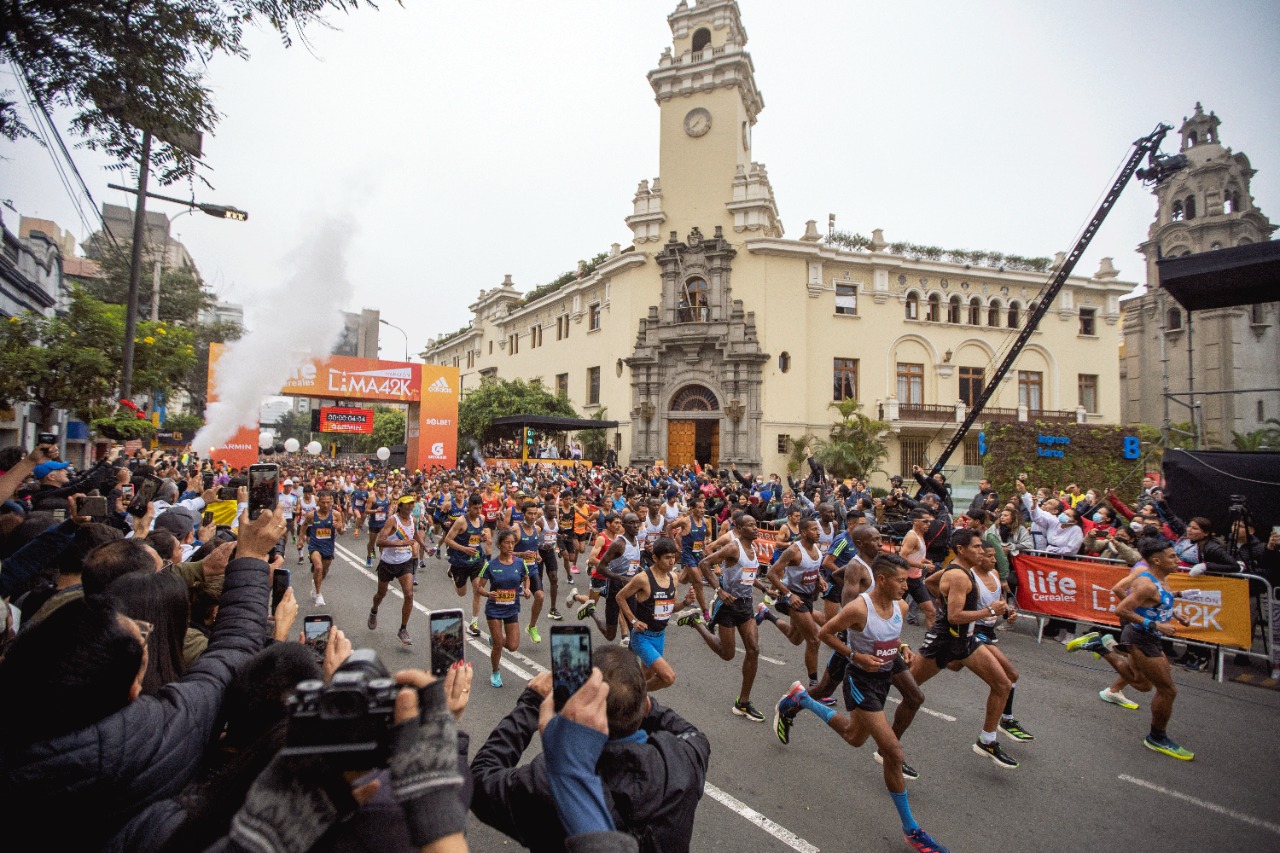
x: 297, y: 320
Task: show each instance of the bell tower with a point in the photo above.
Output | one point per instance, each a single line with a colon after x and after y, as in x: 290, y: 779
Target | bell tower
x: 706, y: 91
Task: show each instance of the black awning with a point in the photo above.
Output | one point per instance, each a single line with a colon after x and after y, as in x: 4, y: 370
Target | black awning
x: 1222, y: 278
x: 550, y: 422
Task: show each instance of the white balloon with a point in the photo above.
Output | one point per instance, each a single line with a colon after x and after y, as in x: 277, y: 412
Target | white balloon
x: 291, y: 445
x: 314, y: 448
x: 384, y: 453
x: 265, y: 440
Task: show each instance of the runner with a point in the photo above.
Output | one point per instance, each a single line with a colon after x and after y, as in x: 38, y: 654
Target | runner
x: 378, y: 508
x: 693, y: 531
x: 528, y: 548
x: 652, y: 594
x: 796, y: 578
x: 307, y: 505
x: 288, y: 502
x: 396, y: 541
x: 465, y: 546
x: 549, y: 530
x: 951, y: 643
x: 1146, y: 612
x: 619, y: 563
x: 733, y: 607
x: 598, y: 582
x: 359, y: 497
x: 874, y: 622
x: 568, y: 539
x: 500, y: 581
x: 842, y: 550
x: 913, y: 549
x: 319, y: 527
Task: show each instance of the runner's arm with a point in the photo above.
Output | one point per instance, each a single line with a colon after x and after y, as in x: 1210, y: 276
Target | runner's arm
x: 1143, y: 592
x: 632, y: 587
x: 451, y: 542
x: 614, y: 552
x: 955, y: 596
x: 789, y: 556
x: 706, y: 566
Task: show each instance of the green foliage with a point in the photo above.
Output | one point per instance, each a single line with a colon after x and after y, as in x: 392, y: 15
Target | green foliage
x: 182, y: 294
x: 497, y: 398
x: 796, y: 452
x: 595, y: 442
x: 1266, y: 438
x: 564, y: 278
x: 297, y: 425
x: 854, y: 447
x: 920, y: 252
x: 123, y: 426
x: 1093, y: 459
x: 184, y: 423
x: 388, y: 428
x: 1182, y: 436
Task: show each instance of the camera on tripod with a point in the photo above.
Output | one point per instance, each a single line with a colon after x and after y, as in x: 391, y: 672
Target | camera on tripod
x: 348, y: 720
x: 1238, y: 504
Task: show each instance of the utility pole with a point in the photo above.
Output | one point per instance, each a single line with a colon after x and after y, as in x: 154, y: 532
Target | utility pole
x: 135, y: 267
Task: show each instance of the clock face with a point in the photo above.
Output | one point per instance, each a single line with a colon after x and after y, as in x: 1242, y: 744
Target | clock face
x: 697, y: 122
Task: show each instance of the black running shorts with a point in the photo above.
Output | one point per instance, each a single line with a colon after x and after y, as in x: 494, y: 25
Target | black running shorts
x: 1137, y: 639
x: 388, y: 572
x: 864, y: 690
x: 944, y: 648
x: 732, y: 614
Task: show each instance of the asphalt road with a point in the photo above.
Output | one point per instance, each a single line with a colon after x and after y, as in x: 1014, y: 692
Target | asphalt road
x: 1085, y: 781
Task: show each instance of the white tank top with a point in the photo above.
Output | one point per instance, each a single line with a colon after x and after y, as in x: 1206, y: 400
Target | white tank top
x: 881, y: 636
x: 738, y: 580
x: 671, y: 512
x: 629, y: 563
x: 986, y: 597
x: 549, y: 532
x: 400, y: 555
x: 650, y: 532
x: 802, y: 579
x: 825, y: 538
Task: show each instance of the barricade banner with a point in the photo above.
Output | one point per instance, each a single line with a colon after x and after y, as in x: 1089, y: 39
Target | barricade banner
x: 766, y: 543
x: 1217, y: 607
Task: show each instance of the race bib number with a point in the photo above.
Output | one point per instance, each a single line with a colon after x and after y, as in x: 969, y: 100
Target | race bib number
x: 664, y: 609
x: 885, y: 650
x: 504, y: 596
x: 548, y: 539
x: 324, y: 533
x: 379, y: 516
x: 633, y: 566
x: 749, y: 576
x: 474, y: 541
x: 697, y: 547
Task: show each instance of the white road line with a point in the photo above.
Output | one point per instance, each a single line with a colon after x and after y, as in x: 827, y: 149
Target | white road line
x: 743, y: 810
x: 774, y: 661
x: 929, y: 711
x: 1204, y: 804
x: 735, y: 805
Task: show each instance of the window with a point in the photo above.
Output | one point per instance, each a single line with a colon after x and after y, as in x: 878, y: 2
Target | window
x: 784, y: 361
x: 693, y: 302
x: 846, y: 298
x: 1088, y: 322
x: 1030, y: 389
x: 1088, y: 384
x: 593, y: 317
x: 513, y: 344
x: 971, y: 454
x: 914, y: 451
x: 910, y: 383
x: 953, y: 309
x: 535, y: 336
x: 455, y: 361
x: 971, y: 381
x: 471, y: 358
x: 845, y: 379
x: 1173, y: 320
x: 975, y: 312
x: 1261, y: 412
x: 562, y: 384
x: 913, y: 306
x: 993, y: 315
x: 562, y: 327
x: 784, y: 443
x: 1015, y: 315
x: 1190, y: 207
x: 490, y: 347
x: 593, y: 386
x: 935, y: 308
x: 701, y: 38
x: 1176, y: 214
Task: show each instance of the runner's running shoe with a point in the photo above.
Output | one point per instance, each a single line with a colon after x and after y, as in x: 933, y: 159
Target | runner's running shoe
x: 473, y: 628
x: 1090, y: 642
x: 373, y: 620
x: 762, y: 613
x: 404, y: 636
x: 908, y: 772
x: 1011, y: 727
x: 495, y: 680
x: 995, y: 753
x: 554, y: 614
x: 784, y: 713
x: 368, y: 561
x: 573, y: 597
x: 319, y: 600
x: 746, y: 709
x: 693, y: 617
x: 1168, y: 747
x: 626, y: 641
x: 586, y: 610
x: 1117, y: 697
x: 921, y: 842
x: 533, y: 634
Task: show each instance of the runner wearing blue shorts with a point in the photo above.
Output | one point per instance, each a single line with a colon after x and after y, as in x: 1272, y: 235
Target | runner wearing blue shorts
x: 647, y: 602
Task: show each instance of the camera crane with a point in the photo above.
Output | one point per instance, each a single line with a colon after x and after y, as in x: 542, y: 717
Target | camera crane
x: 1159, y: 167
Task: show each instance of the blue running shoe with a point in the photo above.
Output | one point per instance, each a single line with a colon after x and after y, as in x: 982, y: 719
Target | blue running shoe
x: 921, y: 842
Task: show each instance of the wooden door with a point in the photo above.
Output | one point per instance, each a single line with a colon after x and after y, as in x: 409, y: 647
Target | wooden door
x: 714, y: 461
x: 681, y: 436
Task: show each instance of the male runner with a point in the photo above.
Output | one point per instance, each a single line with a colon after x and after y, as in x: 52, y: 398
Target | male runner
x: 319, y: 527
x: 288, y: 502
x: 549, y: 531
x: 529, y: 548
x: 842, y: 551
x: 693, y: 531
x: 796, y: 577
x: 619, y: 563
x: 874, y: 624
x: 1146, y: 612
x: 653, y: 594
x: 307, y: 505
x: 598, y: 583
x: 913, y: 549
x: 395, y: 541
x: 359, y: 497
x: 377, y: 509
x: 465, y: 545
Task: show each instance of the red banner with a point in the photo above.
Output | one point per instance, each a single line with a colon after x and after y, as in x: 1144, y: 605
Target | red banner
x: 1217, y: 607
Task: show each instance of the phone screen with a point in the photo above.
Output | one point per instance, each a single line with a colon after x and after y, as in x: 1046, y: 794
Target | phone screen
x: 279, y: 586
x: 264, y: 488
x: 446, y: 640
x: 315, y: 632
x: 144, y: 492
x: 570, y: 661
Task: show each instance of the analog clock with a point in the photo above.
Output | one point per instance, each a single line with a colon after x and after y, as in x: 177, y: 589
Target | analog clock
x: 697, y: 122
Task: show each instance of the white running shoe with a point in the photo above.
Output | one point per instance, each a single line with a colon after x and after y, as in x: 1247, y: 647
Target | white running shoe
x: 319, y: 600
x: 1117, y: 697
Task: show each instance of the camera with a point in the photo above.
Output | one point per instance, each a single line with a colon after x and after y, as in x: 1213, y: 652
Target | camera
x: 348, y: 720
x: 1238, y: 503
x: 228, y: 493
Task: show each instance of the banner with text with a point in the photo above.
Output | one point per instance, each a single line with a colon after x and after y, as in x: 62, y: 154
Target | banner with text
x: 1217, y: 607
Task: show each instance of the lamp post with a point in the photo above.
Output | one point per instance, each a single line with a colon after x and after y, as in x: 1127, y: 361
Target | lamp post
x: 401, y: 331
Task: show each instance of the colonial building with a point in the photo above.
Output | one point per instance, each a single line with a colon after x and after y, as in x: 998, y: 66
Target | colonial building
x: 1204, y: 207
x: 713, y: 336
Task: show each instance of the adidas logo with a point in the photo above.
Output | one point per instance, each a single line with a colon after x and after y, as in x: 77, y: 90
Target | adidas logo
x: 440, y: 386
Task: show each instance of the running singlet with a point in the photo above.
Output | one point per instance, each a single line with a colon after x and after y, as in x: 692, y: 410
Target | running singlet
x: 670, y: 511
x: 287, y: 501
x: 549, y: 533
x: 649, y: 533
x: 739, y: 579
x: 881, y: 636
x: 785, y: 537
x: 825, y: 538
x: 490, y: 509
x: 628, y: 564
x: 358, y: 499
x: 320, y: 535
x: 528, y: 540
x: 986, y: 597
x: 400, y: 554
x: 803, y: 579
x: 505, y: 580
x: 693, y: 543
x: 473, y: 537
x: 916, y: 569
x: 581, y: 515
x: 378, y: 510
x: 308, y: 507
x: 1164, y: 612
x: 656, y: 611
x: 970, y: 603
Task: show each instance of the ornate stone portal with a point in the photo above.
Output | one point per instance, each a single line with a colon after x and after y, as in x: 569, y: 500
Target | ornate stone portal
x: 697, y: 367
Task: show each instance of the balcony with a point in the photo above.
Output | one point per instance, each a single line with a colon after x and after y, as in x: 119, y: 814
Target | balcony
x: 899, y: 414
x: 930, y: 412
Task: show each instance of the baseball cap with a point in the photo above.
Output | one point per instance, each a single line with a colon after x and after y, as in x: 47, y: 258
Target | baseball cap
x: 177, y: 520
x: 407, y: 499
x: 44, y: 469
x: 288, y: 482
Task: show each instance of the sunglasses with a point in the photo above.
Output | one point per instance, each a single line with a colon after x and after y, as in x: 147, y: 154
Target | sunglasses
x: 144, y: 628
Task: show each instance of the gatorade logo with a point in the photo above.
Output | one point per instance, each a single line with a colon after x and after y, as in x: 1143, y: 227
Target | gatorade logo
x: 440, y: 386
x: 437, y: 450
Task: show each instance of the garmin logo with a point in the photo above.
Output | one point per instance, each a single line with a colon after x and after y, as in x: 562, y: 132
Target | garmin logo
x: 238, y: 447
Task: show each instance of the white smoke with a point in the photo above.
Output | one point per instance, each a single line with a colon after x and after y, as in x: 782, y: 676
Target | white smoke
x: 299, y: 319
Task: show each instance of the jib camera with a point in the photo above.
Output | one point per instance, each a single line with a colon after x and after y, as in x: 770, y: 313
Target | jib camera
x: 348, y: 720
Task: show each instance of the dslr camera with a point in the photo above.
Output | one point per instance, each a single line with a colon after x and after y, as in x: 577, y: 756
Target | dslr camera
x: 348, y: 720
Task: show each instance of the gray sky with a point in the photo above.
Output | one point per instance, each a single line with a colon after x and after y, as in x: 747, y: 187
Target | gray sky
x: 463, y: 141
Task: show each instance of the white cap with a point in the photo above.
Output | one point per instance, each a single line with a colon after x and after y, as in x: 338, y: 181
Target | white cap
x: 288, y: 482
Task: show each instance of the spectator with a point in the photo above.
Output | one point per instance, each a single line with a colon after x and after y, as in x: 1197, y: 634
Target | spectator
x: 1055, y: 529
x: 986, y: 498
x: 158, y: 600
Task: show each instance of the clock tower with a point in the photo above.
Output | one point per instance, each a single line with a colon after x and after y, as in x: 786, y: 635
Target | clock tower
x: 706, y: 90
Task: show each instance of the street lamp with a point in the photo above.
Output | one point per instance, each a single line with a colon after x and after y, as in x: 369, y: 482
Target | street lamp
x: 401, y: 331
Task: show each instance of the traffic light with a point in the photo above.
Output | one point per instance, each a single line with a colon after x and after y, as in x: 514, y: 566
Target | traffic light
x: 528, y: 436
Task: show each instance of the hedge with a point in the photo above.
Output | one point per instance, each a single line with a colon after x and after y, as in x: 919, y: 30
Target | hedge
x: 1091, y: 456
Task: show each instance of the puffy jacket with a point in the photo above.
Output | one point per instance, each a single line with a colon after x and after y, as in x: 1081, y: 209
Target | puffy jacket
x: 95, y: 788
x: 653, y: 787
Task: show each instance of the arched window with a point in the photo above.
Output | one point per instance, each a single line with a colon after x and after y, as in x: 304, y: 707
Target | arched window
x: 1172, y: 320
x: 993, y: 314
x: 975, y: 312
x: 1191, y: 138
x: 694, y: 398
x: 701, y: 38
x: 953, y: 309
x: 693, y: 301
x: 1176, y: 213
x: 913, y: 306
x: 1015, y: 315
x: 935, y: 308
x: 1190, y: 207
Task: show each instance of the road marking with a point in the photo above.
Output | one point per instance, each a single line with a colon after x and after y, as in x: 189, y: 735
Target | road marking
x: 743, y: 810
x: 735, y: 805
x: 1204, y: 804
x: 929, y: 711
x: 738, y: 649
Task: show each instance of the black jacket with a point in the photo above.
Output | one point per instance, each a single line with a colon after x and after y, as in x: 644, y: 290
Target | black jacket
x: 653, y: 788
x: 51, y: 498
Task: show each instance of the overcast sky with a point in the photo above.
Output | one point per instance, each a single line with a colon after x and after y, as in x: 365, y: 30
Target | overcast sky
x: 464, y: 141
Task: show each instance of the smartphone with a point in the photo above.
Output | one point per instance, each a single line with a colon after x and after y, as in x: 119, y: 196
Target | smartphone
x: 206, y: 519
x: 446, y: 640
x: 207, y: 478
x: 93, y: 507
x: 145, y: 488
x: 47, y: 438
x: 228, y: 493
x: 264, y: 489
x: 279, y: 586
x: 315, y: 633
x: 570, y: 660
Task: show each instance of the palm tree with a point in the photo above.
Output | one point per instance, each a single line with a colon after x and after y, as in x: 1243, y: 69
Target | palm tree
x: 855, y: 446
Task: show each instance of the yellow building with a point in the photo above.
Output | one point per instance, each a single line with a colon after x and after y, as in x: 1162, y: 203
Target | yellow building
x: 713, y: 336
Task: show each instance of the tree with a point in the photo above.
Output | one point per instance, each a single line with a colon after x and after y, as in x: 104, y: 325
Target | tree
x: 595, y: 442
x: 854, y: 447
x: 388, y: 428
x: 796, y: 452
x: 183, y: 296
x: 127, y: 66
x: 1266, y: 438
x: 496, y: 398
x: 184, y: 423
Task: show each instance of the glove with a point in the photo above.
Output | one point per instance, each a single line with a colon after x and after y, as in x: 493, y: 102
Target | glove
x: 1198, y: 569
x: 291, y: 805
x: 424, y: 770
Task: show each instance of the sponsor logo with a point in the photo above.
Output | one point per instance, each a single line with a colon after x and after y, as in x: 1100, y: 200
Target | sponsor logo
x: 437, y: 450
x: 392, y: 382
x: 239, y: 447
x: 440, y: 386
x: 1047, y: 586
